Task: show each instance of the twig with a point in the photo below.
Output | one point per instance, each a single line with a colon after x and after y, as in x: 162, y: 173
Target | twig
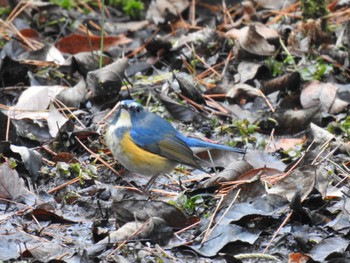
x: 17, y: 10
x: 97, y: 157
x: 323, y: 148
x: 203, y: 62
x: 231, y: 204
x: 61, y: 104
x: 266, y: 100
x: 271, y: 139
x: 107, y: 115
x: 8, y: 123
x: 187, y: 228
x: 209, y: 230
x: 73, y: 181
x: 297, y: 163
x: 278, y: 230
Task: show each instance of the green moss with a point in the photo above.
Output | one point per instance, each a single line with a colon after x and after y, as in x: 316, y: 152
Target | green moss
x: 131, y: 8
x: 313, y: 9
x: 66, y: 4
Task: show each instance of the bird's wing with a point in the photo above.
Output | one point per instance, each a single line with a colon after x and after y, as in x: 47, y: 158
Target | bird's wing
x: 164, y: 143
x: 175, y: 149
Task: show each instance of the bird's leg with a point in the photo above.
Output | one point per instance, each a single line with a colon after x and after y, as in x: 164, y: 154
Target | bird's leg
x: 212, y: 162
x: 150, y: 182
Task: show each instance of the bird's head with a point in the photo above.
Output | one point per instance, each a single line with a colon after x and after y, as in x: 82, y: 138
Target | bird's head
x: 128, y: 112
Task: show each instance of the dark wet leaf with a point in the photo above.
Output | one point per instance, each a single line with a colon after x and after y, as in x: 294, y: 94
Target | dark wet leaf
x: 46, y: 215
x: 13, y: 72
x: 220, y: 236
x: 341, y: 222
x: 302, y: 179
x: 36, y: 132
x: 344, y: 92
x: 292, y: 121
x: 245, y: 192
x: 266, y: 205
x: 180, y: 112
x: 128, y: 210
x: 327, y: 247
x: 259, y: 159
x: 250, y: 199
x: 105, y: 83
x: 304, y: 215
x: 286, y: 83
x: 230, y: 173
x: 189, y: 90
x: 111, y: 74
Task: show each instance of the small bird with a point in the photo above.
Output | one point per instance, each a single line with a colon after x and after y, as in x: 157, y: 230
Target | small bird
x: 144, y: 143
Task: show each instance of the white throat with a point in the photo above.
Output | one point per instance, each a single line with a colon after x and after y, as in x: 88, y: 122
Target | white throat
x: 124, y: 120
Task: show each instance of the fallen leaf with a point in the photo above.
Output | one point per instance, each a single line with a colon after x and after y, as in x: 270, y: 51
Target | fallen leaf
x: 11, y: 185
x: 76, y: 43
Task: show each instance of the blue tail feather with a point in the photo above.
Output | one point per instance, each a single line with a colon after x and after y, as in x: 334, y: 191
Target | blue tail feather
x: 196, y: 143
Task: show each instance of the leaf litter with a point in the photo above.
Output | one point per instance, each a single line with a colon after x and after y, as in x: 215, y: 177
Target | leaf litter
x: 266, y: 77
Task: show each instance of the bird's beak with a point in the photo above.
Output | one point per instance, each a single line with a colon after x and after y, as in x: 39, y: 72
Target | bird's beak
x: 121, y: 105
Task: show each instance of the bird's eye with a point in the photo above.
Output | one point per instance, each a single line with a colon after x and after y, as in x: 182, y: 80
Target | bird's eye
x: 138, y: 109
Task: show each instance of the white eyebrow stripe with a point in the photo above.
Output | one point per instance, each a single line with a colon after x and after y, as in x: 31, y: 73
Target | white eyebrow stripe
x: 134, y: 104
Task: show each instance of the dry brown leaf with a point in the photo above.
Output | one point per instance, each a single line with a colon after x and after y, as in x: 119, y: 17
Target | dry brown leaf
x: 76, y: 43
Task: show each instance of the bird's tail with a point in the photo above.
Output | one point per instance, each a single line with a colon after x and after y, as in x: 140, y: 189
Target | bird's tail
x: 196, y: 143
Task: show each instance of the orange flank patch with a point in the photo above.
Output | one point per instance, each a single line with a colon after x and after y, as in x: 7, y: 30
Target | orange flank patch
x: 143, y: 158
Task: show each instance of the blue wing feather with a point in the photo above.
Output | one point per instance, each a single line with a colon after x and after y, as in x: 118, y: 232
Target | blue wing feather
x: 143, y: 134
x: 162, y: 139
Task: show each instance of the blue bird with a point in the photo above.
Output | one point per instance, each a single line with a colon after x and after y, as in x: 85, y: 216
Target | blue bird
x: 147, y: 144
